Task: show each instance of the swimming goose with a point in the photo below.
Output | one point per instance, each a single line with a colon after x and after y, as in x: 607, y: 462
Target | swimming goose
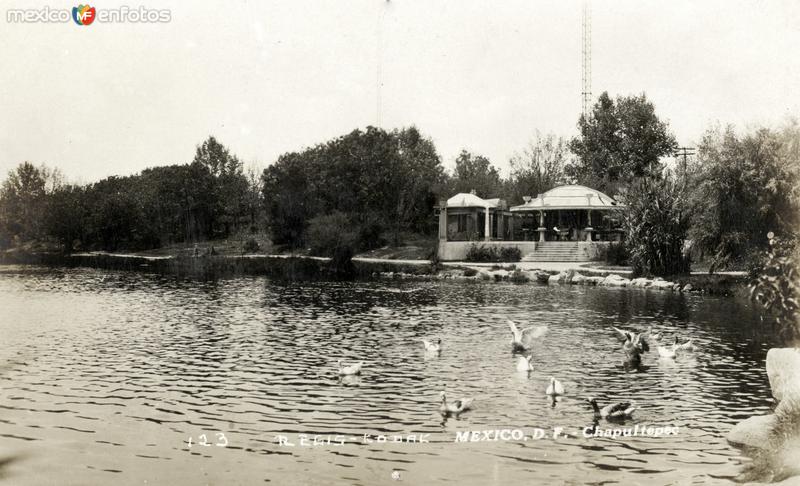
x: 666, y: 352
x: 624, y: 335
x: 554, y: 388
x: 655, y: 336
x: 633, y: 353
x: 522, y: 340
x: 630, y: 345
x: 524, y: 363
x: 642, y: 343
x: 433, y: 347
x: 353, y: 369
x: 637, y: 339
x: 615, y: 411
x: 687, y: 346
x: 455, y: 407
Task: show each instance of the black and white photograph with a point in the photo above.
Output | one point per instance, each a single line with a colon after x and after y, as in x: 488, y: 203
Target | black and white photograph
x: 382, y: 242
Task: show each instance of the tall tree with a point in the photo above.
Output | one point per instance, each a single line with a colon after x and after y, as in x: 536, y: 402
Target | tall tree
x: 538, y: 168
x: 229, y: 185
x: 290, y: 198
x: 22, y: 203
x: 380, y: 180
x: 409, y: 195
x: 476, y: 172
x: 620, y: 141
x: 65, y: 218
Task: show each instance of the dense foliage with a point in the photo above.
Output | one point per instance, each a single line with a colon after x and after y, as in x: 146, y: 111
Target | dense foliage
x: 475, y: 173
x: 622, y: 140
x: 380, y: 180
x: 370, y: 187
x: 481, y: 253
x: 656, y: 223
x: 743, y: 187
x: 208, y: 198
x: 538, y: 168
x: 777, y: 285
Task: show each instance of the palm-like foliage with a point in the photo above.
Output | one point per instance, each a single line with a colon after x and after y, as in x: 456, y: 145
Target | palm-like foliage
x: 656, y: 223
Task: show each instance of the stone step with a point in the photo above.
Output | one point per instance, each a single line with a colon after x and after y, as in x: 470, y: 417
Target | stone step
x: 556, y: 251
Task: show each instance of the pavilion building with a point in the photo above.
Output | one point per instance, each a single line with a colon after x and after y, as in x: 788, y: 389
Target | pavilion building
x: 567, y: 223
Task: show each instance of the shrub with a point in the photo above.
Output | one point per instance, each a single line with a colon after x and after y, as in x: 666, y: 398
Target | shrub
x: 615, y: 254
x: 656, y: 224
x: 433, y: 256
x: 510, y: 254
x: 251, y: 245
x: 470, y: 272
x: 777, y: 288
x: 328, y: 232
x: 481, y: 253
x: 519, y: 277
x: 369, y: 234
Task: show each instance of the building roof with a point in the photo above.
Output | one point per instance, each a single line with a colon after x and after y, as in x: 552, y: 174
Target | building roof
x: 467, y: 200
x: 569, y: 197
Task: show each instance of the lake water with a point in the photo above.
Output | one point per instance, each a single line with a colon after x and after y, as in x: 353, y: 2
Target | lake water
x: 104, y: 377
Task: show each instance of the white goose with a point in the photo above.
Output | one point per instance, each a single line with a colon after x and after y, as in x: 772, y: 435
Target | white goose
x: 636, y: 339
x: 666, y: 352
x: 522, y: 340
x: 624, y: 335
x: 524, y: 363
x: 353, y: 369
x: 555, y: 388
x: 432, y: 347
x: 456, y: 407
x: 655, y: 336
x: 615, y: 411
x: 687, y: 346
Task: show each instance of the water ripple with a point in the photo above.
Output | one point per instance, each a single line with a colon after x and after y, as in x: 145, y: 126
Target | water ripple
x: 141, y: 363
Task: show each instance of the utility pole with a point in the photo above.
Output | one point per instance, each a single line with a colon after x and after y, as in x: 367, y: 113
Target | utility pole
x: 684, y: 152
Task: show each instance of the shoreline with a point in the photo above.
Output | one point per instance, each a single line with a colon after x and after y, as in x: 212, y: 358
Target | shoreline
x: 301, y: 267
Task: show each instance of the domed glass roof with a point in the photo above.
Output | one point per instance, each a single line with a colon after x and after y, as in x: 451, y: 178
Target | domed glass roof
x: 569, y: 197
x: 467, y: 200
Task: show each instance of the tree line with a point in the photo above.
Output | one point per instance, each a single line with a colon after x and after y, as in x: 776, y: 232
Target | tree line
x: 374, y: 187
x: 207, y: 198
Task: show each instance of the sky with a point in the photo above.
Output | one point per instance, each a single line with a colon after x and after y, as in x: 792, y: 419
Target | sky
x: 269, y: 77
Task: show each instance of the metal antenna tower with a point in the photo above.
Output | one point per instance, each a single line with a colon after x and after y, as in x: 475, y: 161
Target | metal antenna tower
x: 586, y: 54
x: 379, y: 73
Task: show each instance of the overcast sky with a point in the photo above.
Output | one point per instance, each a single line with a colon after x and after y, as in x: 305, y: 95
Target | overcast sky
x: 267, y: 77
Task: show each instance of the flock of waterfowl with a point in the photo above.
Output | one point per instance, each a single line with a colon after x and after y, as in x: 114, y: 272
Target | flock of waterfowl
x: 633, y: 346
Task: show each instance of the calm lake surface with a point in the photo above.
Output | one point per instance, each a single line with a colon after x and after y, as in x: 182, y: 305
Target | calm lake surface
x: 104, y: 377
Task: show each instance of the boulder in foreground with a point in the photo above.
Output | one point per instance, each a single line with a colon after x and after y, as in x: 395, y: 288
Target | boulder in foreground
x: 753, y: 432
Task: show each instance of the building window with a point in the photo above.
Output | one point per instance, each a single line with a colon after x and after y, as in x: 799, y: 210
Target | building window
x: 462, y: 223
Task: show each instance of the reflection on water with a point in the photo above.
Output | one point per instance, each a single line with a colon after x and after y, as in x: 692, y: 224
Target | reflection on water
x: 107, y: 375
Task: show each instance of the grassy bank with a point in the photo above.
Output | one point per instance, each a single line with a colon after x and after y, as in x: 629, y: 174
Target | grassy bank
x: 220, y: 266
x: 299, y: 267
